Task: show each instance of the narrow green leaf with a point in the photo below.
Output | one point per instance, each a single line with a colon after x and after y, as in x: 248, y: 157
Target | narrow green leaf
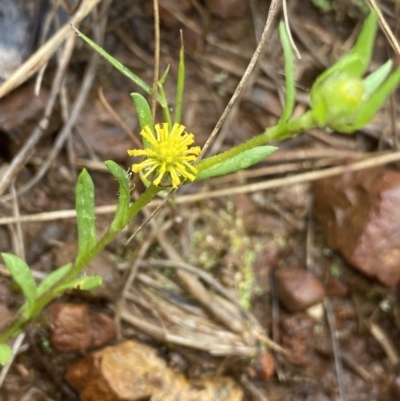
x: 165, y: 109
x: 239, y: 162
x: 143, y: 112
x: 364, y: 44
x: 53, y: 278
x: 161, y: 81
x: 355, y: 62
x: 289, y: 75
x: 375, y: 79
x: 163, y: 97
x: 81, y: 283
x: 5, y: 354
x: 85, y: 215
x: 22, y: 274
x: 115, y: 63
x: 378, y: 98
x: 121, y: 215
x: 180, y: 85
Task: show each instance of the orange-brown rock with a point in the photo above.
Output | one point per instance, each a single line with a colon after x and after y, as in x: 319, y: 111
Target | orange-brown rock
x: 360, y: 215
x: 298, y: 289
x: 265, y: 365
x: 133, y: 371
x: 73, y: 328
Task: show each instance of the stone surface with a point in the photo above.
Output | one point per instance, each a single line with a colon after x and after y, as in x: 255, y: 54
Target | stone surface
x: 69, y: 327
x: 18, y: 23
x: 360, y: 215
x: 73, y: 328
x: 335, y: 288
x: 298, y: 337
x: 265, y: 366
x: 102, y: 329
x: 133, y: 371
x: 298, y: 289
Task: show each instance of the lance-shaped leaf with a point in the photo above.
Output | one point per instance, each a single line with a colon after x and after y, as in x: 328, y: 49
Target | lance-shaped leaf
x: 115, y: 63
x: 85, y: 215
x: 164, y: 101
x: 289, y: 75
x: 376, y: 100
x: 356, y: 61
x: 53, y: 278
x: 22, y: 274
x: 121, y: 215
x: 81, y: 283
x: 353, y: 64
x: 180, y: 85
x: 239, y: 162
x: 5, y: 354
x: 143, y: 112
x: 364, y: 45
x: 376, y: 78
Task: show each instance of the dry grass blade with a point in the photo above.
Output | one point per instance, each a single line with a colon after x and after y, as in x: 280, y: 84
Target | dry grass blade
x: 371, y: 162
x: 385, y: 27
x: 43, y: 55
x: 15, y: 348
x: 21, y: 158
x: 26, y: 150
x: 271, y: 14
x: 383, y: 339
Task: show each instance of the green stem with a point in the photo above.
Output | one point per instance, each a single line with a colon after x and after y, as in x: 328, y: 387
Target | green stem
x: 22, y: 317
x: 180, y: 86
x: 164, y: 105
x: 143, y: 200
x: 275, y: 133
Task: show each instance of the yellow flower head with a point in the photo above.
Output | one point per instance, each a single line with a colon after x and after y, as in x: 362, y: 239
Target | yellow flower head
x: 168, y: 155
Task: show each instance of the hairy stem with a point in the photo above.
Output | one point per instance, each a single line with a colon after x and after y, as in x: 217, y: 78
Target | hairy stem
x: 275, y: 133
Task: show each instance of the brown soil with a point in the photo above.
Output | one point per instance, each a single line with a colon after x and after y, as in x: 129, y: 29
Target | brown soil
x: 239, y: 240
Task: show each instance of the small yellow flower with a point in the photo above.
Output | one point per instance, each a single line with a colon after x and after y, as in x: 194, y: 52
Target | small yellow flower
x: 168, y: 155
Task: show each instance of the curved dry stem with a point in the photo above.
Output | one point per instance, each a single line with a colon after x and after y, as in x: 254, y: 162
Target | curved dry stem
x: 271, y: 14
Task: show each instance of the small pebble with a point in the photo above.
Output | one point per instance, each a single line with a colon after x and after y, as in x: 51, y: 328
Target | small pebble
x: 298, y: 289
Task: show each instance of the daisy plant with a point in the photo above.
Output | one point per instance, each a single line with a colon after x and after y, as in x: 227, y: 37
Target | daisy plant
x: 168, y: 156
x: 340, y: 99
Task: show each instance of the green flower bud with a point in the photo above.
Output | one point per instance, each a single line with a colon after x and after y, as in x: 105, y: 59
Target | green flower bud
x: 336, y: 101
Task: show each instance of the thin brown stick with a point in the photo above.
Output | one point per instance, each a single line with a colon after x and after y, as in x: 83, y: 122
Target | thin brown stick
x: 212, y: 302
x: 76, y: 109
x: 279, y: 182
x: 271, y: 14
x: 43, y: 55
x: 65, y: 132
x: 385, y: 27
x: 27, y: 149
x: 335, y: 347
x: 18, y: 238
x: 156, y: 70
x: 390, y: 350
x: 15, y: 348
x: 286, y: 19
